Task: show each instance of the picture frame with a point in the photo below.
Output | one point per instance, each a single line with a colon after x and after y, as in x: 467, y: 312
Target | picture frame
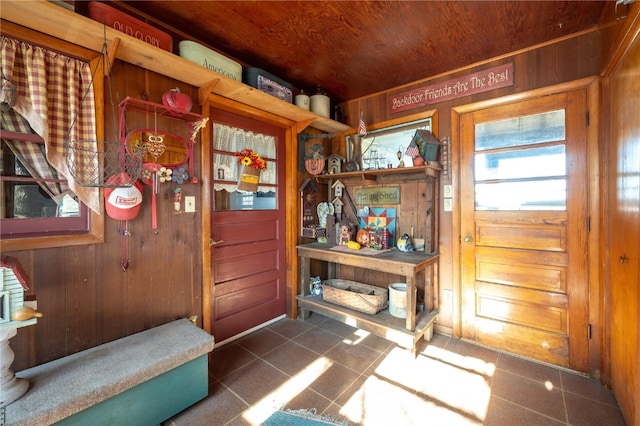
x: 383, y: 148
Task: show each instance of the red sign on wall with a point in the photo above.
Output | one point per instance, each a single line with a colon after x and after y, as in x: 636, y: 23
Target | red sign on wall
x: 478, y: 82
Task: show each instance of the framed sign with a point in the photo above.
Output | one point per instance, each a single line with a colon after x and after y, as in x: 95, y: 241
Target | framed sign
x: 378, y: 196
x: 385, y: 147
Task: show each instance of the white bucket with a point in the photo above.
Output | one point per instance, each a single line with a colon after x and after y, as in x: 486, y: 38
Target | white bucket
x: 398, y: 300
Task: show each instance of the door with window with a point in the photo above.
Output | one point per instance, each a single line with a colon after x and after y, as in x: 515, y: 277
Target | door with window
x: 248, y: 263
x: 524, y: 224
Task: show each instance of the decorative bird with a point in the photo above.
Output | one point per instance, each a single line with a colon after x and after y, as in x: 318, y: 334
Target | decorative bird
x: 404, y: 243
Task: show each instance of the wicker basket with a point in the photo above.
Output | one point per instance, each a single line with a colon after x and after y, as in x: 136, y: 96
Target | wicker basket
x: 357, y: 297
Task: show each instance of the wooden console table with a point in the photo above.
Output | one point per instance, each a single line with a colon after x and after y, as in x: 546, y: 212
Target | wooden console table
x: 403, y: 332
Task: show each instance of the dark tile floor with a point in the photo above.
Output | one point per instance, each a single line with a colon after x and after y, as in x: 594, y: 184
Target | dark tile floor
x: 353, y: 376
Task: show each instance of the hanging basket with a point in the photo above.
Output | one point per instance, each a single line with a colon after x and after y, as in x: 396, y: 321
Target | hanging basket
x: 249, y: 179
x: 92, y: 167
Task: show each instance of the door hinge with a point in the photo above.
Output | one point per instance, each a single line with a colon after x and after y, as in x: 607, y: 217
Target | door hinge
x: 589, y: 224
x: 587, y: 118
x: 589, y: 331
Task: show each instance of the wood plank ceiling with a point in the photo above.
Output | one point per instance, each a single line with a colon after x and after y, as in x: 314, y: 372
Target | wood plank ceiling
x: 355, y: 48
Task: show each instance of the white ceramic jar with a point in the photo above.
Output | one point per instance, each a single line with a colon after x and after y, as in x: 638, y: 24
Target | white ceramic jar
x: 302, y: 100
x: 320, y: 104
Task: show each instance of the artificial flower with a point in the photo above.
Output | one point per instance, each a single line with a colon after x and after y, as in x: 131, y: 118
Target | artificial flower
x: 250, y: 158
x: 180, y: 176
x: 165, y: 174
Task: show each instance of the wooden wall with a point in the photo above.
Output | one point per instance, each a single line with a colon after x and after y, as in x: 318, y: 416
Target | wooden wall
x: 85, y: 296
x: 546, y: 65
x: 621, y: 92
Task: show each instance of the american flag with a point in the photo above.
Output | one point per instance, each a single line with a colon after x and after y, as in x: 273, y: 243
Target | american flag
x: 362, y: 129
x: 412, y: 150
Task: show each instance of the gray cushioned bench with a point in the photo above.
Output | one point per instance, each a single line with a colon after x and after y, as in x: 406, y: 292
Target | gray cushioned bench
x: 141, y: 379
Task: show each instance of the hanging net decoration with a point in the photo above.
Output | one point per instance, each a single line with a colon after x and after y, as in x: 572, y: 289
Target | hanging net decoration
x: 93, y: 163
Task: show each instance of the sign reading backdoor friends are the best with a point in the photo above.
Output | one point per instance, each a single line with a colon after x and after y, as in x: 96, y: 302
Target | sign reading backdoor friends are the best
x: 478, y: 82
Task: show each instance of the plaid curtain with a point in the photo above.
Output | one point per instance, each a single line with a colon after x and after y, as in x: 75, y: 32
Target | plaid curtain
x: 54, y: 95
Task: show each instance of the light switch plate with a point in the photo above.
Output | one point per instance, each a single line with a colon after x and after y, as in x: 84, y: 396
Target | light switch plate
x: 190, y: 204
x: 448, y: 204
x: 446, y: 191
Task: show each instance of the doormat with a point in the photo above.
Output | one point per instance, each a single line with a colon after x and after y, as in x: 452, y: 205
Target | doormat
x: 301, y: 418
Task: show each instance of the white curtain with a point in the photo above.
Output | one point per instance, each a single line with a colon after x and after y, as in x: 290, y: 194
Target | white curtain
x: 225, y: 165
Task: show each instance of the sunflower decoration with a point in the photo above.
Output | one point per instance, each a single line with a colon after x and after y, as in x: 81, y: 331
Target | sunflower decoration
x: 250, y: 158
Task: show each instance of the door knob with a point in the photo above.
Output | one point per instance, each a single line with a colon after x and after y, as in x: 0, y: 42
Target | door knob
x: 623, y: 258
x: 468, y: 239
x: 213, y: 243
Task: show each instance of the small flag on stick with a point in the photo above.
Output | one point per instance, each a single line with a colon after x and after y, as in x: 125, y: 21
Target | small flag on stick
x: 362, y: 129
x: 412, y: 150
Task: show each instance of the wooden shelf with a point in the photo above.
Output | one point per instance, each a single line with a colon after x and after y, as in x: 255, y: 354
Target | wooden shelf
x: 405, y: 332
x: 430, y: 170
x: 61, y: 23
x: 381, y: 324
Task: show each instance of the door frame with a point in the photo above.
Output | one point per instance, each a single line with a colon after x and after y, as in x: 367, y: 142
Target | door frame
x: 594, y: 206
x: 206, y: 189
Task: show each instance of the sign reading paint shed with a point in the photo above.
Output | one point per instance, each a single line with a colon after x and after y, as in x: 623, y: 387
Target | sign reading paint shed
x: 378, y: 196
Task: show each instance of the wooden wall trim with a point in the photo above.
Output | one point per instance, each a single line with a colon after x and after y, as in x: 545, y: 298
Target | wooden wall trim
x: 623, y: 40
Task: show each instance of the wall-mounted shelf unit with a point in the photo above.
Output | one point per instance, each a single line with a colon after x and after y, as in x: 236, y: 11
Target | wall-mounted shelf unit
x: 56, y: 21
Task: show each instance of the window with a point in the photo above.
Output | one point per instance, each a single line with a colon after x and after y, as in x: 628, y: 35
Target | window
x: 226, y: 141
x: 41, y: 206
x: 521, y: 163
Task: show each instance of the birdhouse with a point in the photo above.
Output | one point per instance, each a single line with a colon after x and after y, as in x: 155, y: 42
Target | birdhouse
x: 338, y: 187
x: 335, y: 163
x: 427, y: 144
x: 308, y: 191
x: 13, y: 284
x: 337, y: 206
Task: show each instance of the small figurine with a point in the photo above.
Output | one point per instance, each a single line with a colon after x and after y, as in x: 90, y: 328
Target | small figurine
x: 315, y: 286
x: 404, y: 243
x: 345, y: 234
x: 362, y: 237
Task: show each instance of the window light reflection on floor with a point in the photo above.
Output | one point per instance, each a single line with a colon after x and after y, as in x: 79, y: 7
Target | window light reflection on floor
x: 283, y: 394
x: 404, y: 386
x: 356, y: 337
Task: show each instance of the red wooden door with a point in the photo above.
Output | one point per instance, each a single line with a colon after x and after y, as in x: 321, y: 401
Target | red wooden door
x: 248, y: 264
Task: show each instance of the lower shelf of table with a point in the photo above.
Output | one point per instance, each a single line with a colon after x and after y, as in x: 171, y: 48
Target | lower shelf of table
x: 382, y: 324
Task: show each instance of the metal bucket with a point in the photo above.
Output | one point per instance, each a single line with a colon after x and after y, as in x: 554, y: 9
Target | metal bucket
x: 398, y: 300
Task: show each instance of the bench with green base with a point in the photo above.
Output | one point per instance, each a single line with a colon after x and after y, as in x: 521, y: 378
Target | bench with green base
x: 142, y: 379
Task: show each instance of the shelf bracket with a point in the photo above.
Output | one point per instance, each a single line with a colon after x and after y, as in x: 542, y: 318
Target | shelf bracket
x: 205, y: 90
x: 304, y: 136
x: 303, y: 124
x: 110, y: 56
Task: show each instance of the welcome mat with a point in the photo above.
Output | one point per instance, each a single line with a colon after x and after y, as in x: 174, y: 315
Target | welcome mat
x: 300, y: 418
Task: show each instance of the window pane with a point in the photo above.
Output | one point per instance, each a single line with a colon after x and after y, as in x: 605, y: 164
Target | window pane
x: 226, y: 170
x: 530, y: 129
x: 526, y: 195
x: 522, y: 163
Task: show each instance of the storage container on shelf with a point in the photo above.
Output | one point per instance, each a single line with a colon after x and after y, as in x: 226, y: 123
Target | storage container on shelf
x: 268, y: 83
x: 210, y: 59
x: 129, y: 25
